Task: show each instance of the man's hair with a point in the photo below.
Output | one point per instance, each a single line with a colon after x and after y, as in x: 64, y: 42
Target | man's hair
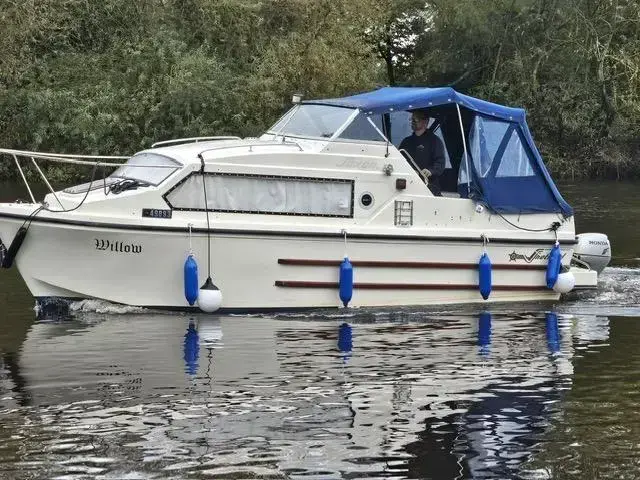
x: 421, y: 114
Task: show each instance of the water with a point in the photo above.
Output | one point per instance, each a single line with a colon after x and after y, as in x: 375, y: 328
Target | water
x: 532, y: 391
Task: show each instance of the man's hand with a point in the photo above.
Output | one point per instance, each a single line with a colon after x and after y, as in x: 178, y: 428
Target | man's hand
x: 426, y: 173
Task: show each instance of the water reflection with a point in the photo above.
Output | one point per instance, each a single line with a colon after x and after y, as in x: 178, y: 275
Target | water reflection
x: 452, y: 396
x: 191, y: 349
x: 345, y: 340
x: 484, y: 333
x: 553, y: 332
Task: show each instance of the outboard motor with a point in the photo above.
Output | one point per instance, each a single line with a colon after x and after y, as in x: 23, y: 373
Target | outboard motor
x: 594, y: 249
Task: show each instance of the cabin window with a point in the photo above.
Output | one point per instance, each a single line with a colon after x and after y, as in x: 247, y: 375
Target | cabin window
x: 265, y: 195
x: 148, y: 168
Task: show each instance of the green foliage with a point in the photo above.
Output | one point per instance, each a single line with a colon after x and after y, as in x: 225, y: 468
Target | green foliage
x: 573, y: 65
x: 112, y: 76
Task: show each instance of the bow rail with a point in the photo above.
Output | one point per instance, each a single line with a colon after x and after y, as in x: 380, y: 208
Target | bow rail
x: 91, y: 160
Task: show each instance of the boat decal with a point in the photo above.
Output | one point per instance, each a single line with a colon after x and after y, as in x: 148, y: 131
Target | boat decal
x: 359, y: 164
x: 538, y: 254
x: 117, y: 246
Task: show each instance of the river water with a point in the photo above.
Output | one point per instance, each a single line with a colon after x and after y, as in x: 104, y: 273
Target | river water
x: 532, y: 391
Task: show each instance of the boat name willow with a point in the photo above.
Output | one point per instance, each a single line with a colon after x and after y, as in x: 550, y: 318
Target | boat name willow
x: 119, y: 247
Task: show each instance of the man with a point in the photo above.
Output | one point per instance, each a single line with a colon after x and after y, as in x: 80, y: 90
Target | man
x: 426, y: 150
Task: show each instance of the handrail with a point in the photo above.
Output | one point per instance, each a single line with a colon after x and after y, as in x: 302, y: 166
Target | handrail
x: 258, y: 143
x: 71, y: 159
x: 193, y: 140
x: 90, y: 160
x: 63, y: 158
x: 26, y: 153
x: 415, y: 165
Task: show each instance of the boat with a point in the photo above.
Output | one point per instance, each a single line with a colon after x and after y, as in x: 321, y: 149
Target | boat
x: 321, y: 211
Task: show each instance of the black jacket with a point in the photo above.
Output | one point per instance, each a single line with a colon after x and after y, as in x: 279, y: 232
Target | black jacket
x: 428, y: 152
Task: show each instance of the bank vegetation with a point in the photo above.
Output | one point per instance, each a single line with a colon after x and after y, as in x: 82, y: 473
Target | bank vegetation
x: 112, y: 76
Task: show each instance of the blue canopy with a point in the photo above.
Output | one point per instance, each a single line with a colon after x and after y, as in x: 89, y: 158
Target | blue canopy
x: 507, y: 170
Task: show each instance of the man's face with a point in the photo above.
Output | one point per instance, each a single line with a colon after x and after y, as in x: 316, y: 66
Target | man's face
x: 418, y: 122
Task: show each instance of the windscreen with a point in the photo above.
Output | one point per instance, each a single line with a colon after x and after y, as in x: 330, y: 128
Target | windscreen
x: 312, y: 121
x: 148, y: 168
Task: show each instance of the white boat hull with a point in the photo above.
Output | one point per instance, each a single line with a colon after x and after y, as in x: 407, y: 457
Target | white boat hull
x: 267, y: 270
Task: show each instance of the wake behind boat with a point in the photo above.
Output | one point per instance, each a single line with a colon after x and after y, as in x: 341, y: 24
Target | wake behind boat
x: 322, y: 210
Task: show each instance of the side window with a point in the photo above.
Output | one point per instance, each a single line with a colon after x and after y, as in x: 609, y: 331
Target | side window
x: 361, y: 129
x: 262, y: 194
x: 447, y: 160
x: 516, y: 161
x: 400, y: 126
x: 485, y: 138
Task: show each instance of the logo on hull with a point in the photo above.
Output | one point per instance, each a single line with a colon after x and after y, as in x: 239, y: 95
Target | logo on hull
x: 117, y: 247
x: 539, y: 254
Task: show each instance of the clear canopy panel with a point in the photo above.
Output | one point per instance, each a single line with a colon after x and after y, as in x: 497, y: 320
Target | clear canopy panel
x: 504, y: 170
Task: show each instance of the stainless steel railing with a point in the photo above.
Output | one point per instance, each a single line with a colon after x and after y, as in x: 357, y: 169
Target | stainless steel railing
x: 164, y: 143
x: 92, y: 160
x: 251, y: 144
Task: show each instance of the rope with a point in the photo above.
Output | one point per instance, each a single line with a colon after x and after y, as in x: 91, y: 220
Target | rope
x: 551, y: 228
x: 206, y: 209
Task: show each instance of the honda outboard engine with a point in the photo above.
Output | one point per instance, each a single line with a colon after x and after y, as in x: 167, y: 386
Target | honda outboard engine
x: 593, y: 249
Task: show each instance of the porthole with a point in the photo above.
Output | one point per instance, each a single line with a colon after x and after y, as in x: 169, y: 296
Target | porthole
x: 366, y: 200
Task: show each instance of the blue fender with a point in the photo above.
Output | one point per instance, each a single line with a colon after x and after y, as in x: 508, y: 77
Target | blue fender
x: 346, y: 281
x: 191, y: 288
x: 553, y: 266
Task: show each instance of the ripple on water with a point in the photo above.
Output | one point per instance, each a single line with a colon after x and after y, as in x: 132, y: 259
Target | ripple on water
x: 618, y: 293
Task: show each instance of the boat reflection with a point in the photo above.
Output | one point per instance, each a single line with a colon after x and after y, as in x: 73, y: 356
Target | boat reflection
x: 455, y: 397
x: 345, y: 340
x: 191, y: 349
x: 484, y: 333
x: 553, y: 332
